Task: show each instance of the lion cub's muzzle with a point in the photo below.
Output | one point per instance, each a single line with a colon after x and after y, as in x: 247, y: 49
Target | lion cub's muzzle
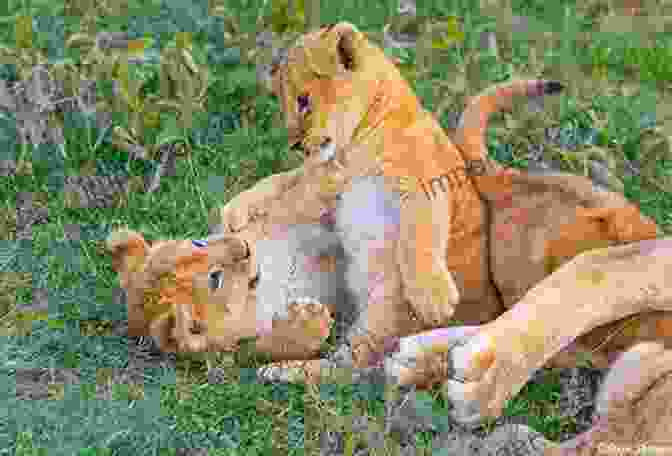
x: 309, y: 147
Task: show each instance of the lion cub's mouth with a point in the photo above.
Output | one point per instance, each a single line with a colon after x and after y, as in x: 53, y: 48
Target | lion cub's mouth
x: 326, y: 149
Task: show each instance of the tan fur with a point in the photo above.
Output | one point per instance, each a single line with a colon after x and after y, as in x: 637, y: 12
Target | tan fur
x: 540, y: 221
x: 493, y: 268
x: 596, y: 289
x: 633, y: 409
x: 163, y: 282
x: 358, y: 99
x: 299, y: 196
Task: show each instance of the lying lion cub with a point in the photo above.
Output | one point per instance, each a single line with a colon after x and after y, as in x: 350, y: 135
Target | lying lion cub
x: 195, y: 296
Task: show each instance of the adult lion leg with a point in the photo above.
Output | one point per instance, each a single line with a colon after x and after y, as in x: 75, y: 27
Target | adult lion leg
x: 601, y: 286
x: 632, y: 409
x: 424, y: 235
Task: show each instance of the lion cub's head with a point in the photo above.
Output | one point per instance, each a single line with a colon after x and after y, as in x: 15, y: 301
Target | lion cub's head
x: 195, y: 296
x: 328, y: 82
x: 175, y: 289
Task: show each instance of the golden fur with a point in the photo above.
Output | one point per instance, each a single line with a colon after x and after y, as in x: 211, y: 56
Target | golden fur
x: 378, y: 126
x: 338, y: 86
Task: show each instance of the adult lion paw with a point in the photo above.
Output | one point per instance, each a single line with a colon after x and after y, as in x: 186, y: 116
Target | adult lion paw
x: 475, y: 381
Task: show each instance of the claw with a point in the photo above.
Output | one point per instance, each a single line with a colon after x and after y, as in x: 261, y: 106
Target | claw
x: 459, y: 357
x: 428, y: 357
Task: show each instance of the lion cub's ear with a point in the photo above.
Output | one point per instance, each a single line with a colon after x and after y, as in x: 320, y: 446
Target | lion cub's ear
x: 129, y: 251
x: 349, y: 39
x: 333, y: 50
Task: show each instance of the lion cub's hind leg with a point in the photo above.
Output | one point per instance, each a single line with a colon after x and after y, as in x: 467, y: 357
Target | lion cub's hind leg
x: 367, y: 219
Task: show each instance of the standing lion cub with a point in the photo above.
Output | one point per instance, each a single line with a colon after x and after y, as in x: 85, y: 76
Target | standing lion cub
x: 337, y: 87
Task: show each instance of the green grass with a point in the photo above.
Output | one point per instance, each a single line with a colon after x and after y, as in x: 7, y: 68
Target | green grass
x: 263, y: 419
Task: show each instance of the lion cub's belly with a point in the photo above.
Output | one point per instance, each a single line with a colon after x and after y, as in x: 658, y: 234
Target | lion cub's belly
x: 376, y: 211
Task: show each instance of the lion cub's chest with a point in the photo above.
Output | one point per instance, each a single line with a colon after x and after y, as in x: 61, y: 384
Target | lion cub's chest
x: 407, y: 143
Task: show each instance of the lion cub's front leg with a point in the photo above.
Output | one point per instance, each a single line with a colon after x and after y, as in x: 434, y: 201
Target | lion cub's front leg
x: 428, y: 285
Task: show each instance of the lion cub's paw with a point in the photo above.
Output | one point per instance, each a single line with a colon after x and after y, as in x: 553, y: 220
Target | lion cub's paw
x: 299, y: 334
x: 311, y: 316
x: 433, y: 297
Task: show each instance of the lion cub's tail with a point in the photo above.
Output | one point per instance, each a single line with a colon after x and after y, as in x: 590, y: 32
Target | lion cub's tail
x: 470, y: 135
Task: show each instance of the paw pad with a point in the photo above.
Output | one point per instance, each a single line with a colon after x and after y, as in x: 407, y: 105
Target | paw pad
x: 311, y: 315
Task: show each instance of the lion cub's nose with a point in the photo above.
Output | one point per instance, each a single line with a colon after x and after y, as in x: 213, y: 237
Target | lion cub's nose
x: 327, y: 149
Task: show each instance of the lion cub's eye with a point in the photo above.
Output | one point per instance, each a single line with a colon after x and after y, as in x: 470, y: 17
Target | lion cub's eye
x: 215, y: 280
x: 304, y: 104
